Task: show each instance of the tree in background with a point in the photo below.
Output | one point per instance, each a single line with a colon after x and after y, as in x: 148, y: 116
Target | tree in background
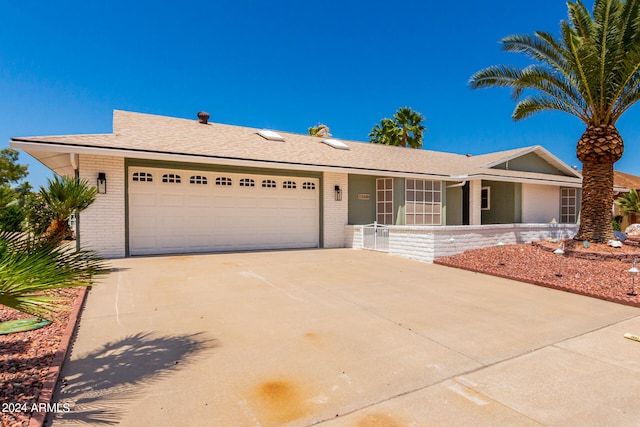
x: 321, y: 130
x: 592, y: 71
x: 12, y: 199
x: 404, y: 130
x: 10, y: 171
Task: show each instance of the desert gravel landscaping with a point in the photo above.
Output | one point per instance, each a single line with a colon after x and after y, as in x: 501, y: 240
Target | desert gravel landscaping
x: 25, y: 361
x: 591, y: 271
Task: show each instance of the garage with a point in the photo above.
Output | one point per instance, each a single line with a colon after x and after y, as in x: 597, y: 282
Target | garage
x: 180, y: 211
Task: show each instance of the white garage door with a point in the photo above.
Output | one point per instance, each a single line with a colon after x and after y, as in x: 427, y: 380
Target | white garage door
x: 172, y: 211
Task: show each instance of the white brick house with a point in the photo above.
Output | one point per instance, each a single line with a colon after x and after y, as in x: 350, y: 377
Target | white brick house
x: 177, y: 185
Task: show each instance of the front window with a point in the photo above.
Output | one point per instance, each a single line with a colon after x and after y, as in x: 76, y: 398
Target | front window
x: 424, y: 202
x: 485, y: 199
x: 384, y: 201
x: 568, y: 205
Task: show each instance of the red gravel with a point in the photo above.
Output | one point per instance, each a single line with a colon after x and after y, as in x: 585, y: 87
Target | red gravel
x: 537, y: 264
x: 25, y: 359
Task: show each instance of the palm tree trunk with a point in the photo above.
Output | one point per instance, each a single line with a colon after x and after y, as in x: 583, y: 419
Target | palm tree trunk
x: 57, y: 231
x: 598, y: 149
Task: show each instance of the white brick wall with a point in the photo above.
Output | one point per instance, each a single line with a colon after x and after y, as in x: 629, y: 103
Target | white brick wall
x: 102, y: 224
x: 335, y: 212
x: 353, y: 236
x: 428, y: 243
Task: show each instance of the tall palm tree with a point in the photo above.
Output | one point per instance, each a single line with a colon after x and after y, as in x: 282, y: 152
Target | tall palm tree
x: 64, y: 197
x: 592, y: 71
x: 321, y: 130
x: 405, y: 129
x: 410, y: 123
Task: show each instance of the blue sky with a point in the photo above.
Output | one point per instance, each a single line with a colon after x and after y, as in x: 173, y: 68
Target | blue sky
x: 286, y: 65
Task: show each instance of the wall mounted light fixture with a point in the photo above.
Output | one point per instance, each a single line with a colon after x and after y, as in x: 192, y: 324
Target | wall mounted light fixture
x: 102, y: 183
x: 338, y: 193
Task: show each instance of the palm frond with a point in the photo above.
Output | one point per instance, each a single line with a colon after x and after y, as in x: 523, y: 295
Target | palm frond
x: 68, y: 195
x: 30, y: 267
x: 580, y: 19
x: 536, y: 104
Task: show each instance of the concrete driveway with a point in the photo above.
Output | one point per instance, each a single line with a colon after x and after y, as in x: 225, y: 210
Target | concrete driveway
x: 343, y: 338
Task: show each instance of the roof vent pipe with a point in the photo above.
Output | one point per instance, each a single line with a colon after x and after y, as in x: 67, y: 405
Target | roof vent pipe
x: 203, y: 117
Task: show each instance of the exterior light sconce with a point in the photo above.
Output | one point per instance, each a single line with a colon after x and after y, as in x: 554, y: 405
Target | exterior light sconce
x: 633, y: 271
x: 338, y: 193
x: 102, y: 183
x: 560, y: 252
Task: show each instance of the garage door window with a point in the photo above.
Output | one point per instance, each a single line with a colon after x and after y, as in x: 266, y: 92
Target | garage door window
x: 198, y: 179
x: 247, y: 182
x: 308, y: 186
x: 268, y: 183
x: 289, y: 184
x: 143, y: 177
x: 171, y: 178
x: 223, y: 180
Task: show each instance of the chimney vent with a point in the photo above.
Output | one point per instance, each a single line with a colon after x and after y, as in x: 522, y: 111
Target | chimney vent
x: 203, y: 117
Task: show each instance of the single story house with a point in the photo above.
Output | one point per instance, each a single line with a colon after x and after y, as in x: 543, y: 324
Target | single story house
x: 171, y: 185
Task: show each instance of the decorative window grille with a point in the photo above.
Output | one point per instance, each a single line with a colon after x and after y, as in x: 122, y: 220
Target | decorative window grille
x: 198, y: 179
x: 424, y: 202
x: 308, y: 185
x: 568, y: 205
x: 269, y: 183
x: 289, y: 184
x: 384, y: 201
x: 223, y: 180
x: 247, y: 182
x: 142, y: 177
x: 171, y: 178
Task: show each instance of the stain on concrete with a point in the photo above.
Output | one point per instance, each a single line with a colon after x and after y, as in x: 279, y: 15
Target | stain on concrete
x: 280, y: 401
x: 378, y: 420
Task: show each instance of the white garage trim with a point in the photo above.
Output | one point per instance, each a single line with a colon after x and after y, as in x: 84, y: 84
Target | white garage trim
x: 181, y: 210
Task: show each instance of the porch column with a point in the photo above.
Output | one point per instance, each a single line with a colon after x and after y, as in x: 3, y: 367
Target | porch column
x: 475, y: 194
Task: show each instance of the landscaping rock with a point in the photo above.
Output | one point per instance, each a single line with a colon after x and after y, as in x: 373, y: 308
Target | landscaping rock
x: 633, y: 230
x: 614, y: 244
x: 620, y: 235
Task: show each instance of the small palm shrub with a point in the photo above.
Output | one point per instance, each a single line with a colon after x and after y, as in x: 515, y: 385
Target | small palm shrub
x: 65, y: 196
x: 30, y: 267
x: 629, y: 203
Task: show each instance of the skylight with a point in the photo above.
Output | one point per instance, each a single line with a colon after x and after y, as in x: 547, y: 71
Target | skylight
x: 270, y: 135
x: 336, y: 143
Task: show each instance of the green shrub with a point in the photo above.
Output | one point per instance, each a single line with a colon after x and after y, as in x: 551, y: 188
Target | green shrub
x: 38, y: 216
x: 11, y: 217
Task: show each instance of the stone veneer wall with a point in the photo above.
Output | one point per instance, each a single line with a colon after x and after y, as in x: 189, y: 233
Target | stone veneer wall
x: 102, y: 224
x: 429, y: 243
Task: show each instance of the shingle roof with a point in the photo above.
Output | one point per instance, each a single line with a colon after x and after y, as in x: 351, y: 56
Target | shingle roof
x: 626, y: 180
x: 140, y: 133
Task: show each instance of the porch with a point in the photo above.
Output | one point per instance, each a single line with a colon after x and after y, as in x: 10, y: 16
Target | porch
x: 426, y: 243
